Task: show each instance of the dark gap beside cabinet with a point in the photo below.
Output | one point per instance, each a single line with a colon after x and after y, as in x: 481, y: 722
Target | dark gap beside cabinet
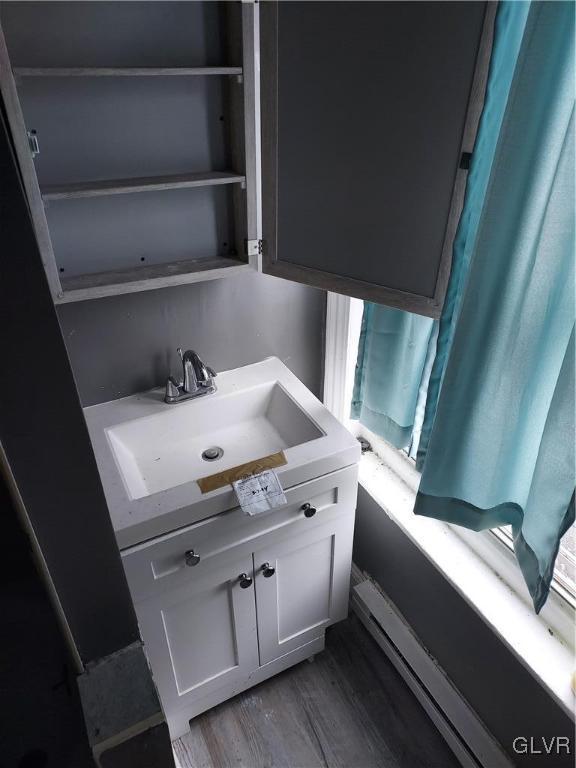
x: 46, y: 441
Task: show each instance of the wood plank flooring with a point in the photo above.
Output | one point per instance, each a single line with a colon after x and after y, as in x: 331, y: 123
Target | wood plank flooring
x: 347, y: 709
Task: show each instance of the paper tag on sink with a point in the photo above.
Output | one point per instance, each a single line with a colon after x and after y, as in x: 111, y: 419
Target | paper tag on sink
x: 259, y: 493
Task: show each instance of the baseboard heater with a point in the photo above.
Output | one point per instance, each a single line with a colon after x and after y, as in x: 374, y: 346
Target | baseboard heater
x: 464, y: 732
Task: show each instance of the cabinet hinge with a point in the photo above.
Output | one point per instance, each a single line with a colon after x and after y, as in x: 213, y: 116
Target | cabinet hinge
x: 33, y: 143
x: 465, y: 160
x: 254, y: 247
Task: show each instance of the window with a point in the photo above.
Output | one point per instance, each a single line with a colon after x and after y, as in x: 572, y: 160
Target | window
x: 343, y: 321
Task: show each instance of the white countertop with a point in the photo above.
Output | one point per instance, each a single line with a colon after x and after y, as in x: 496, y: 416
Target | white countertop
x: 138, y: 519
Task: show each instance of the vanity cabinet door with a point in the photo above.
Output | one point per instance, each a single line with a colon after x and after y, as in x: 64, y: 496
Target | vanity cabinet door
x: 202, y: 635
x: 302, y: 586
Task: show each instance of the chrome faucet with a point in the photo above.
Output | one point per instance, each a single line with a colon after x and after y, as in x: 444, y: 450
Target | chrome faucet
x: 197, y: 379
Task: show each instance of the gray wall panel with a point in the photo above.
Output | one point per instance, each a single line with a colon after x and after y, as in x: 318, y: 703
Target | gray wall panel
x: 126, y: 231
x: 497, y: 686
x: 92, y: 128
x: 70, y: 34
x: 127, y: 344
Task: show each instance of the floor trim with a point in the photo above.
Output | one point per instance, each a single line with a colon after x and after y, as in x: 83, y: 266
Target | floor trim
x: 464, y: 732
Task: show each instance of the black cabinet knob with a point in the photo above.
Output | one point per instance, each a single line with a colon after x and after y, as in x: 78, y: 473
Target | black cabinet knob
x: 191, y: 558
x: 245, y: 580
x: 308, y: 509
x: 267, y: 570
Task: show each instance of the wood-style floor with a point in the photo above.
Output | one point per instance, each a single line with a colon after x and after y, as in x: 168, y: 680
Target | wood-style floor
x: 347, y: 709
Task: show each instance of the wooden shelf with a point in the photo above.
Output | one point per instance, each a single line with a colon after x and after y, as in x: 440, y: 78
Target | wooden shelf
x: 124, y: 71
x: 144, y: 184
x: 147, y: 278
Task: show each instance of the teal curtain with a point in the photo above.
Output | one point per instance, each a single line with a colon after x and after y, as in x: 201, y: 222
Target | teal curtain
x: 501, y: 448
x: 391, y: 357
x: 509, y: 30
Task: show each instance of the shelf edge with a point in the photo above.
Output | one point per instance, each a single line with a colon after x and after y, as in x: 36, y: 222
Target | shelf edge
x: 124, y: 71
x: 138, y: 185
x: 133, y: 281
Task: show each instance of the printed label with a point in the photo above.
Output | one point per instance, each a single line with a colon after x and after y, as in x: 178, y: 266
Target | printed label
x: 259, y: 493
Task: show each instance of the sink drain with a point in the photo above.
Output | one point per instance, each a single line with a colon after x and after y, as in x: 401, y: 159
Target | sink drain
x: 212, y: 454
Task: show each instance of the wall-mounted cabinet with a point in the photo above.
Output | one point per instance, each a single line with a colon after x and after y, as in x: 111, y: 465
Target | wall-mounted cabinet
x: 152, y: 148
x: 143, y: 114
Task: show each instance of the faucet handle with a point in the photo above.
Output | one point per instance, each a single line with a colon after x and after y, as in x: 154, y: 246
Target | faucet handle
x: 211, y: 371
x: 172, y: 390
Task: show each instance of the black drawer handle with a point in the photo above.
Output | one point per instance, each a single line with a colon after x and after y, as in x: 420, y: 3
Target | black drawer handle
x: 308, y: 509
x: 245, y: 580
x: 267, y: 570
x: 191, y: 557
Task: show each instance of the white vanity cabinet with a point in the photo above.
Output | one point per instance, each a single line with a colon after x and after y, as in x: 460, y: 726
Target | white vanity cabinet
x: 224, y: 599
x: 255, y: 597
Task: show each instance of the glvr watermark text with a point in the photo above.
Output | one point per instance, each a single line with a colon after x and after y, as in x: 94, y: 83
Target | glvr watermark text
x: 540, y: 745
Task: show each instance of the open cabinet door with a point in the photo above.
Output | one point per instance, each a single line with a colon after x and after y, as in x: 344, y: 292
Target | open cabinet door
x: 369, y: 113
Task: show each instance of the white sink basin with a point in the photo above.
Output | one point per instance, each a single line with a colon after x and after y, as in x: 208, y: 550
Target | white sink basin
x: 158, y: 452
x: 149, y: 454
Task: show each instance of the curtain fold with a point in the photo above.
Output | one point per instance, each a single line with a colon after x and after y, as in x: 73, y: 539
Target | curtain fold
x: 501, y: 446
x: 392, y: 353
x: 508, y: 32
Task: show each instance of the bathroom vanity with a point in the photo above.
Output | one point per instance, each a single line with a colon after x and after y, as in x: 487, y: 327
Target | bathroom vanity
x: 224, y: 599
x: 164, y: 143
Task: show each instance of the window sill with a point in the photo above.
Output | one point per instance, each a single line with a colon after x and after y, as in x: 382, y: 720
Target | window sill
x: 543, y: 644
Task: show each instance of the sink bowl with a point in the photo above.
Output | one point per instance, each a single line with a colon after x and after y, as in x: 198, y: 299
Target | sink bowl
x: 149, y: 454
x: 165, y: 450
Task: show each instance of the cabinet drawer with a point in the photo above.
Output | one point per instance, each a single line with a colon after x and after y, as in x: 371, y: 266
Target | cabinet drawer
x: 160, y: 564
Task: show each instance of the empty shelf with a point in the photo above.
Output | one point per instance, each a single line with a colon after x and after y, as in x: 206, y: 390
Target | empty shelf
x: 147, y: 278
x: 123, y: 71
x: 145, y: 184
